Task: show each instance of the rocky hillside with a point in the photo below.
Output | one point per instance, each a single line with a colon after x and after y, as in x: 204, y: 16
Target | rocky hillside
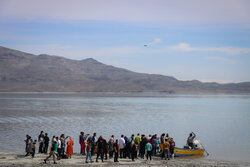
x: 24, y: 72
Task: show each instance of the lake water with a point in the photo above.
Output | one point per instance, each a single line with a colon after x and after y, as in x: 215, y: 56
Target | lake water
x: 221, y: 122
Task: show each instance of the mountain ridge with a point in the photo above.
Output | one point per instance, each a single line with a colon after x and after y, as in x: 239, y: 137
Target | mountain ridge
x: 25, y: 72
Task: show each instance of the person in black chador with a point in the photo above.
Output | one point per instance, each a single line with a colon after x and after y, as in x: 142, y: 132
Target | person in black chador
x: 142, y: 146
x: 127, y: 149
x: 105, y: 148
x: 100, y: 148
x: 46, y: 143
x: 41, y: 142
x: 116, y: 150
x: 133, y: 150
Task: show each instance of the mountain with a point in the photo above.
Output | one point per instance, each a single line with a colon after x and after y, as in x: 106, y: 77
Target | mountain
x: 24, y: 72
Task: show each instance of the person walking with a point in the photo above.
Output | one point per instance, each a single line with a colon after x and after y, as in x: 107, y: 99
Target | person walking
x: 52, y: 153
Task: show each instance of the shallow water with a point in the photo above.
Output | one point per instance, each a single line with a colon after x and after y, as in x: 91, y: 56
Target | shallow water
x: 221, y: 122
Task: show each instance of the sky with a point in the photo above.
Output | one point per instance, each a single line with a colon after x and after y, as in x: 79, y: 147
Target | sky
x: 206, y: 40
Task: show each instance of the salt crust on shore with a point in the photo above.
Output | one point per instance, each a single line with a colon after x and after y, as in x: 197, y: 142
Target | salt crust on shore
x: 19, y: 160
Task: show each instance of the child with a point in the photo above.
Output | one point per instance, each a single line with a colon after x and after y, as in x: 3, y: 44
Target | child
x: 166, y: 147
x: 33, y: 149
x: 89, y: 150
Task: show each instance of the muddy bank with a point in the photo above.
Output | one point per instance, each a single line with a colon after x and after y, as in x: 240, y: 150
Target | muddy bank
x: 19, y: 160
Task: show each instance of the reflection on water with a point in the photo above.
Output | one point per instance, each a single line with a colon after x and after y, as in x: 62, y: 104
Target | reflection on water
x: 220, y: 121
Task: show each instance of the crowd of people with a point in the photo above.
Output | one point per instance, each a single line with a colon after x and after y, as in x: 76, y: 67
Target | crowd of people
x: 133, y: 147
x: 57, y: 148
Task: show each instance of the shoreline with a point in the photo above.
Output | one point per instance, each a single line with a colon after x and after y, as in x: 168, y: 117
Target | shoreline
x: 19, y: 160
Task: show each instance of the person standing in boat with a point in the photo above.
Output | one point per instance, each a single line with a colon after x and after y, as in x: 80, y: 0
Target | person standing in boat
x: 190, y: 140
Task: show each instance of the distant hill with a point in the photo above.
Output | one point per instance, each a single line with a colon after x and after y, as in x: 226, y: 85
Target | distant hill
x: 24, y: 72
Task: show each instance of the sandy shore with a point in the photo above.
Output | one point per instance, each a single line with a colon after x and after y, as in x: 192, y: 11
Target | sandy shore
x: 19, y: 160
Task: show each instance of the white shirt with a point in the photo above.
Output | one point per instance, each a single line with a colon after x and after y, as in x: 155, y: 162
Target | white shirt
x: 121, y: 143
x: 59, y: 143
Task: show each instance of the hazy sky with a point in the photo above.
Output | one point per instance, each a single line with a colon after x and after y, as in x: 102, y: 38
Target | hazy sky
x: 208, y: 40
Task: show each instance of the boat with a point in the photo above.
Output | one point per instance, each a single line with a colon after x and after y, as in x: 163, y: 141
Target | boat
x: 178, y: 152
